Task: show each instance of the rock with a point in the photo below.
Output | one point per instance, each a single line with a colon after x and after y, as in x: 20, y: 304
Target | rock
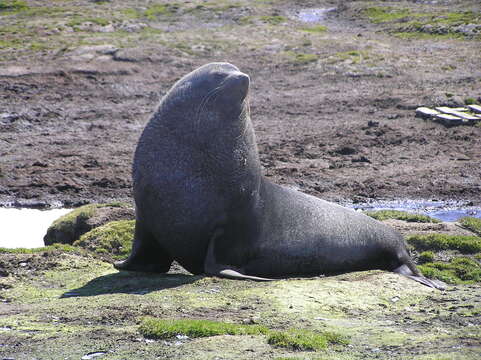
x: 73, y: 225
x: 475, y: 108
x: 468, y: 29
x: 140, y: 54
x: 131, y: 27
x: 93, y: 50
x: 449, y: 120
x: 93, y: 355
x: 8, y: 118
x: 346, y: 150
x: 459, y: 112
x: 454, y: 101
x: 426, y: 113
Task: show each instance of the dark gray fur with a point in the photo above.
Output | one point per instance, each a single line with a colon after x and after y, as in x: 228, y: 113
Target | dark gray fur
x: 201, y: 199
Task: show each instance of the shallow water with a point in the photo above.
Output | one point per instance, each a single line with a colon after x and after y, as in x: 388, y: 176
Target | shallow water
x: 25, y: 228
x: 441, y: 210
x: 314, y: 15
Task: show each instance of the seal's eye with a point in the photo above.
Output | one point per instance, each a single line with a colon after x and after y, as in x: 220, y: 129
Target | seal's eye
x: 218, y: 76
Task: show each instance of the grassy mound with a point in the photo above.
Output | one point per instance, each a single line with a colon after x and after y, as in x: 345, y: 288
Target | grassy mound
x: 471, y: 223
x: 464, y: 244
x: 113, y: 239
x: 69, y: 227
x: 13, y: 5
x: 426, y: 256
x: 400, y: 215
x: 304, y: 340
x: 293, y: 339
x: 460, y: 270
x: 407, y: 23
x: 164, y: 329
x: 60, y: 247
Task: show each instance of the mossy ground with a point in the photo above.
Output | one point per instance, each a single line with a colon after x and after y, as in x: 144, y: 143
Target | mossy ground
x: 471, y: 223
x: 462, y: 243
x: 406, y: 23
x: 460, y: 270
x: 293, y: 339
x: 400, y: 215
x: 113, y: 240
x: 66, y: 303
x: 170, y: 328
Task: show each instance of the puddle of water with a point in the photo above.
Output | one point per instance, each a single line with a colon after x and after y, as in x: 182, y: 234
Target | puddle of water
x: 444, y: 211
x: 314, y: 15
x: 25, y: 228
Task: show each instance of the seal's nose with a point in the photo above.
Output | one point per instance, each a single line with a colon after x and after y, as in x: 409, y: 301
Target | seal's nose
x: 239, y: 83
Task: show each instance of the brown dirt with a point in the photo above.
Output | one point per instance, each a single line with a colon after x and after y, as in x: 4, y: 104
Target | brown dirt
x: 334, y: 128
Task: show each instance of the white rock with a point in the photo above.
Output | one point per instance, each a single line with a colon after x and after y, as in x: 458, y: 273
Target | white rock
x: 425, y: 112
x: 457, y: 113
x: 93, y: 355
x: 475, y: 108
x: 448, y: 119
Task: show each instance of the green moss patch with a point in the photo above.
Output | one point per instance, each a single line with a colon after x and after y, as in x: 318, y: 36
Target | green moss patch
x: 214, y: 6
x: 131, y: 13
x: 81, y: 20
x: 13, y: 6
x: 385, y: 14
x: 158, y: 10
x: 400, y: 215
x: 273, y: 19
x: 35, y: 11
x: 315, y: 29
x: 354, y: 56
x: 61, y: 247
x: 470, y: 101
x: 113, y: 239
x: 301, y: 58
x: 293, y: 339
x: 460, y: 270
x: 471, y: 223
x: 408, y: 24
x: 426, y: 256
x: 303, y: 340
x: 464, y: 244
x: 164, y: 329
x: 422, y: 35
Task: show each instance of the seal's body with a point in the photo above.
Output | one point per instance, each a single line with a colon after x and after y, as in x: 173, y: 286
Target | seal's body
x: 201, y: 199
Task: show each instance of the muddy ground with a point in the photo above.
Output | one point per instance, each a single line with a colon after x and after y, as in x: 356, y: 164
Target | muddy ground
x: 333, y: 108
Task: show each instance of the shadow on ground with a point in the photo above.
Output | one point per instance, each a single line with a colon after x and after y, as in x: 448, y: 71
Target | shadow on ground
x: 126, y: 282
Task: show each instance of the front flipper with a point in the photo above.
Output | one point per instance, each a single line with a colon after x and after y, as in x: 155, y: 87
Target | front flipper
x: 147, y: 255
x: 213, y: 268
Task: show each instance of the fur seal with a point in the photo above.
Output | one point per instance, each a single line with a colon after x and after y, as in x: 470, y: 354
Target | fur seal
x: 201, y: 198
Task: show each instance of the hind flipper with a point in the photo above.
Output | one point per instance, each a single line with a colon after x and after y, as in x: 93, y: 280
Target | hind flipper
x: 146, y: 255
x: 213, y: 268
x: 428, y: 282
x: 416, y: 276
x: 233, y: 274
